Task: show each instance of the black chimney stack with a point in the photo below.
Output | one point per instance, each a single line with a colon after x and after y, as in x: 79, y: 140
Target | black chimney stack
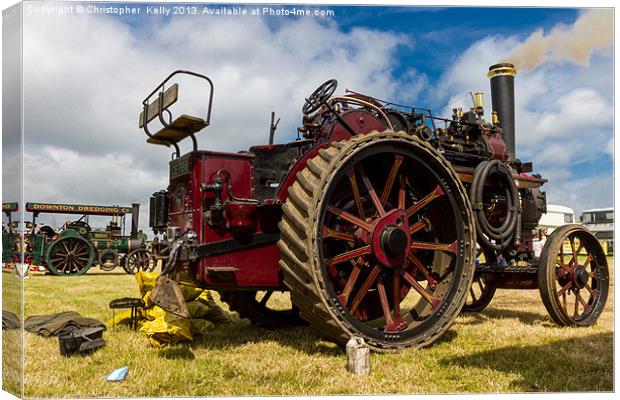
x: 502, y: 78
x: 135, y: 217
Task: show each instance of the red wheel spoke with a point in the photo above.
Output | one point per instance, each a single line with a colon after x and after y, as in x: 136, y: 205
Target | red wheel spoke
x: 418, y: 226
x: 364, y: 289
x: 438, y: 192
x: 344, y: 296
x: 420, y: 267
x: 396, y: 289
x: 589, y: 289
x: 576, y: 312
x: 371, y: 192
x: 575, y: 258
x: 452, y: 247
x: 356, y: 193
x: 588, y: 261
x: 423, y: 292
x: 349, y: 255
x: 564, y: 266
x: 401, y: 193
x: 582, y: 301
x: 564, y: 289
x: 349, y: 218
x: 572, y: 247
x: 398, y: 160
x: 330, y: 233
x: 384, y: 304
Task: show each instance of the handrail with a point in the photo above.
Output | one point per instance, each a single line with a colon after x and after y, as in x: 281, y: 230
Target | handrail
x: 146, y: 101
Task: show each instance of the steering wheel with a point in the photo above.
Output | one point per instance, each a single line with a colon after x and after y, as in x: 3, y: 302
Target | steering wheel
x: 82, y: 227
x: 320, y: 96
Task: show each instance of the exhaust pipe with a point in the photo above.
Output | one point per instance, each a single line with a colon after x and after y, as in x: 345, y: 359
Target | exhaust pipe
x: 135, y: 217
x: 502, y: 78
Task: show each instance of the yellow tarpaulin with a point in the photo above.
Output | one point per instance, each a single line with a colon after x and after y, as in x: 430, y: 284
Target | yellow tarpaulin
x: 163, y: 328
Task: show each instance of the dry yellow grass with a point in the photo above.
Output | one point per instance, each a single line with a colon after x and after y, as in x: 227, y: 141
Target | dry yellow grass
x: 513, y: 346
x: 12, y: 357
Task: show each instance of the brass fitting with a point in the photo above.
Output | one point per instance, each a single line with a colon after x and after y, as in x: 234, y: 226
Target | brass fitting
x: 502, y: 69
x: 478, y: 100
x: 494, y: 118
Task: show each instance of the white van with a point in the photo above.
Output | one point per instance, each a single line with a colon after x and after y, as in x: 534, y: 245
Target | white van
x: 556, y: 216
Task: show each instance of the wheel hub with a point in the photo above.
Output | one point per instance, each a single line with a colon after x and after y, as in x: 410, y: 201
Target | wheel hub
x: 393, y: 241
x: 580, y: 277
x: 389, y: 239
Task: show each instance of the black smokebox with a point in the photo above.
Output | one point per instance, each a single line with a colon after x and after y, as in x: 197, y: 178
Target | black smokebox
x: 502, y: 78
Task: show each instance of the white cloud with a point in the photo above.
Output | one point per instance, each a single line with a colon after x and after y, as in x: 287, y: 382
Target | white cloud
x: 564, y: 117
x: 86, y: 76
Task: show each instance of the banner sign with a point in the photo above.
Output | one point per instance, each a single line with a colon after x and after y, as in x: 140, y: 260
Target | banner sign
x: 76, y: 209
x: 10, y: 207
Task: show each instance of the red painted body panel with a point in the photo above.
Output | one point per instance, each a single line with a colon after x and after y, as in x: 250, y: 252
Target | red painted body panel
x: 255, y: 266
x: 361, y: 121
x: 498, y: 146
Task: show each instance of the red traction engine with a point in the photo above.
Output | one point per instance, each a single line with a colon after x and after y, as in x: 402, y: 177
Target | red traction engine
x: 375, y: 221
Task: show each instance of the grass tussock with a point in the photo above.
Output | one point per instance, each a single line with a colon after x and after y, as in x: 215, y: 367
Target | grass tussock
x: 513, y: 346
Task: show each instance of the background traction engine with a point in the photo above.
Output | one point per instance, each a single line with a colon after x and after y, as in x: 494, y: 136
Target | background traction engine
x: 75, y: 247
x: 371, y: 221
x: 10, y: 236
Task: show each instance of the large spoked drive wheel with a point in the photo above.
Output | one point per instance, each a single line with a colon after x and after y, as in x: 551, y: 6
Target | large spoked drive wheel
x: 263, y: 308
x: 70, y: 256
x: 573, y: 276
x: 377, y: 241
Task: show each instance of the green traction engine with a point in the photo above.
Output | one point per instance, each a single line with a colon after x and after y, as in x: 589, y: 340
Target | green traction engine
x: 9, y: 234
x: 73, y: 248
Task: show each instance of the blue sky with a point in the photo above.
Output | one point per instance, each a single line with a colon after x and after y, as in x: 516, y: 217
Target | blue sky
x: 424, y: 56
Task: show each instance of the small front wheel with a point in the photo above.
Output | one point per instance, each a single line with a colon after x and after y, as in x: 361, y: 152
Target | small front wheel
x: 573, y: 276
x: 138, y: 260
x: 480, y: 294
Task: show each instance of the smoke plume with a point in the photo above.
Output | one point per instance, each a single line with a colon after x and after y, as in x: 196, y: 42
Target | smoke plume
x: 592, y: 31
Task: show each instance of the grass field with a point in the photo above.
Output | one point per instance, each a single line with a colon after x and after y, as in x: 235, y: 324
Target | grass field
x: 511, y: 347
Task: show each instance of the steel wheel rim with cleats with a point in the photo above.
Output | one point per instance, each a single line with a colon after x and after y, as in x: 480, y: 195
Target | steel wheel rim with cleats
x: 363, y: 267
x: 573, y: 287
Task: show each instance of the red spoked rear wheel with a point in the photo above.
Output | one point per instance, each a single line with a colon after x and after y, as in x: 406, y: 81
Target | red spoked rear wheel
x: 378, y: 232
